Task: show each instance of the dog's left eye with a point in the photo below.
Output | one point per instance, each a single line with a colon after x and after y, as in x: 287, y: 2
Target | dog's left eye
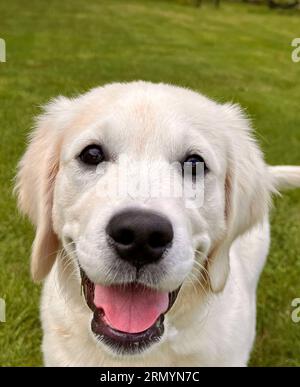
x: 194, y: 160
x: 92, y: 155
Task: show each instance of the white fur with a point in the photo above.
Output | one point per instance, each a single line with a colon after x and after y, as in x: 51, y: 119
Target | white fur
x: 218, y: 251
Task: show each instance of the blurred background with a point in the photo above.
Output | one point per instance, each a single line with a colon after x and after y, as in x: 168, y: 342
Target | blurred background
x: 231, y: 51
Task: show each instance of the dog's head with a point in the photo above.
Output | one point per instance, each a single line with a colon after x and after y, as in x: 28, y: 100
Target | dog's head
x: 105, y: 176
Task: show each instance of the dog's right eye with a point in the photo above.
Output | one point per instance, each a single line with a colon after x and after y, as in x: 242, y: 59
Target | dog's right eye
x: 92, y: 155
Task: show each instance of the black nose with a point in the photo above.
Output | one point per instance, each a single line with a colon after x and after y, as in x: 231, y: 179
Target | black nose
x: 140, y: 237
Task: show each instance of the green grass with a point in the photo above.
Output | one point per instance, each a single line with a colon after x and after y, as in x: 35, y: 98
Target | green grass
x: 240, y: 53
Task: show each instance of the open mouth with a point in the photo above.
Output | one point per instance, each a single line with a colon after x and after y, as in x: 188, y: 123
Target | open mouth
x: 128, y: 317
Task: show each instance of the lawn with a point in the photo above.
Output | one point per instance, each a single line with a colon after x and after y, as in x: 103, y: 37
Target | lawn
x: 240, y: 53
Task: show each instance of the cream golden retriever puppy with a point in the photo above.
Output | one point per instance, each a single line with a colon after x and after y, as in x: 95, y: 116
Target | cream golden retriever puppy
x: 151, y: 210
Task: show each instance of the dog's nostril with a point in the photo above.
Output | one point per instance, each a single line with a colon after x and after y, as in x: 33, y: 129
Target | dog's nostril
x: 158, y: 240
x: 125, y: 237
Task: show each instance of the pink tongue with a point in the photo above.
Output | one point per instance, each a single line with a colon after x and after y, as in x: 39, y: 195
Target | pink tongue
x: 130, y: 308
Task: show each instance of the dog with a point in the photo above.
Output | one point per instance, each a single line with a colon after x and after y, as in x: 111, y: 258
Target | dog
x: 134, y: 279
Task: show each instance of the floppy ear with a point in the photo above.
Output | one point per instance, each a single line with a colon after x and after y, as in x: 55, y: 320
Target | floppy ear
x: 35, y: 183
x: 248, y: 189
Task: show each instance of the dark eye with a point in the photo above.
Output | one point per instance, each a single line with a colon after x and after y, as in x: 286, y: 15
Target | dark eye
x: 194, y: 160
x: 92, y: 155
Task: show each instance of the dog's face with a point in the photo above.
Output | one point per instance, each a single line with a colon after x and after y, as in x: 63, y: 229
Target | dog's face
x: 110, y: 169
